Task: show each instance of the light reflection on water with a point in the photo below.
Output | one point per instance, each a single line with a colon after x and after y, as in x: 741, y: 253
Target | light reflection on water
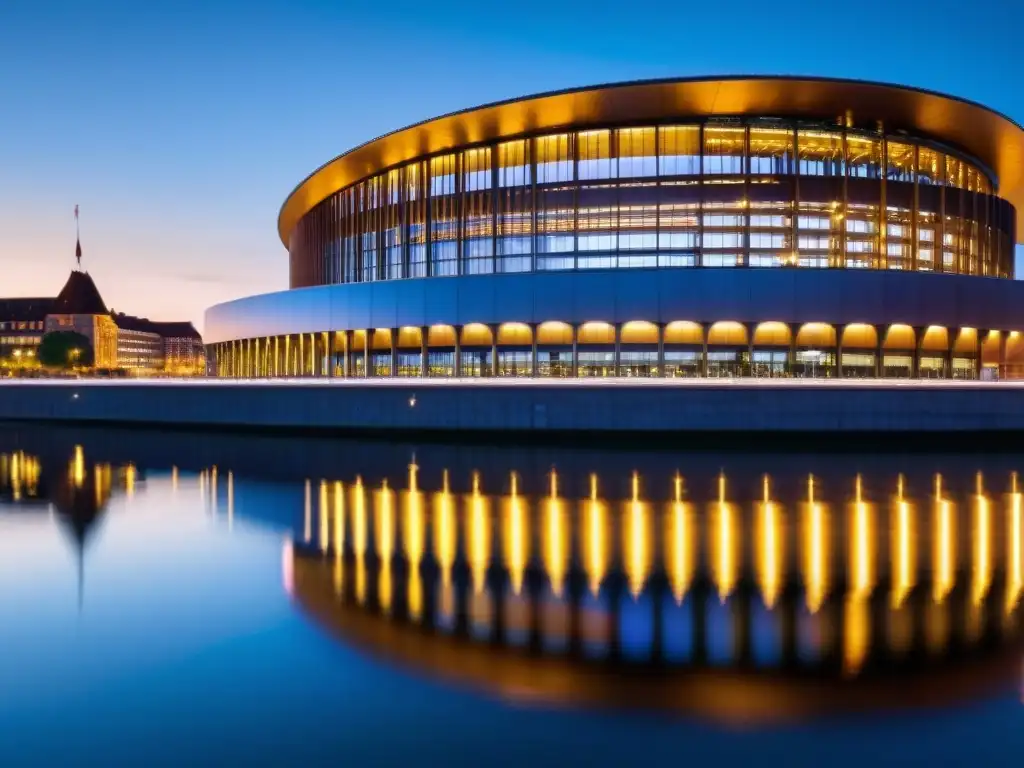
x: 759, y: 595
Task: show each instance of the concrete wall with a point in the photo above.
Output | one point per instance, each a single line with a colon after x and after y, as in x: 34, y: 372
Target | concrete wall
x: 658, y: 295
x: 535, y: 407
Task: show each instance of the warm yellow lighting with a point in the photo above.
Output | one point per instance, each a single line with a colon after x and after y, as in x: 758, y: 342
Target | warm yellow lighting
x: 385, y: 544
x: 815, y: 551
x: 445, y: 532
x: 856, y: 633
x: 771, y: 545
x: 681, y: 542
x: 556, y: 544
x: 724, y: 545
x: 415, y: 543
x: 904, y: 568
x: 596, y: 550
x: 945, y: 552
x: 359, y: 537
x: 862, y: 541
x: 339, y: 536
x: 479, y: 536
x: 637, y: 545
x: 1014, y: 565
x: 78, y: 467
x: 517, y: 541
x: 982, y: 565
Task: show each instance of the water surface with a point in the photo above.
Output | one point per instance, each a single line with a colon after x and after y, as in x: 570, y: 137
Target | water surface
x: 255, y: 600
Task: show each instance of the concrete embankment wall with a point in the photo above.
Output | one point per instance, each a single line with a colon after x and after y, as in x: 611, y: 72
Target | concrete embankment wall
x: 526, y: 408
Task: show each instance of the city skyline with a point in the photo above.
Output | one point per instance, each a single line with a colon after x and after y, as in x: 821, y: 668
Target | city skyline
x: 180, y: 129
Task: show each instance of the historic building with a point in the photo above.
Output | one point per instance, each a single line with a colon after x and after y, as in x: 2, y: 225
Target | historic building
x: 119, y: 341
x: 718, y: 227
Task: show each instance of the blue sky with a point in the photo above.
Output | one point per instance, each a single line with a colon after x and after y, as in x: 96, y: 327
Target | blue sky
x: 180, y: 127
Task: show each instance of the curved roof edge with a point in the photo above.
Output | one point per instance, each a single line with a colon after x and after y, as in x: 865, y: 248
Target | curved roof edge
x: 990, y: 136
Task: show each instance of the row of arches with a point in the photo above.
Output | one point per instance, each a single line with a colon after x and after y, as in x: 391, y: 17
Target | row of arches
x: 633, y: 348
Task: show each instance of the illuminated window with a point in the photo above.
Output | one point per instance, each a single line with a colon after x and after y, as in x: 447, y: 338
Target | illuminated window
x: 820, y: 153
x: 554, y: 158
x: 637, y: 154
x: 863, y: 156
x: 899, y: 161
x: 444, y: 247
x: 595, y: 149
x: 724, y: 150
x: 679, y: 150
x: 930, y: 166
x: 771, y: 151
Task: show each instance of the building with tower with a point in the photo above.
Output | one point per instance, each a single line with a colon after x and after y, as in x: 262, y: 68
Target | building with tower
x: 742, y: 226
x: 120, y: 342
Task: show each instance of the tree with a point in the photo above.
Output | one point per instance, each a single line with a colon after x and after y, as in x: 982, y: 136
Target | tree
x: 65, y: 349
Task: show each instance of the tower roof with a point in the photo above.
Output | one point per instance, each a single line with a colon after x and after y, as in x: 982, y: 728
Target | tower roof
x: 79, y: 296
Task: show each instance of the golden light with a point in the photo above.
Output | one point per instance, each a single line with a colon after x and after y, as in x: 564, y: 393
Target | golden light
x: 681, y: 542
x: 322, y: 516
x: 359, y: 537
x: 385, y: 544
x: 1014, y: 565
x: 415, y: 543
x: 556, y: 544
x: 637, y: 544
x: 770, y: 546
x: 479, y: 536
x: 339, y: 536
x: 724, y: 544
x: 445, y: 532
x: 982, y: 565
x: 517, y: 540
x: 862, y: 540
x: 904, y: 569
x: 596, y: 550
x: 815, y: 550
x: 945, y: 546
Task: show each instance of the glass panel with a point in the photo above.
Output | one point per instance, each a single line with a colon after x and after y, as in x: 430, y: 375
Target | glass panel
x: 819, y: 228
x: 678, y: 234
x: 416, y: 218
x: 899, y: 231
x: 637, y: 156
x: 926, y: 227
x: 900, y: 161
x: 514, y: 164
x: 863, y: 156
x: 515, y: 209
x: 596, y: 155
x: 393, y: 235
x: 723, y: 242
x: 954, y: 172
x: 930, y: 168
x: 679, y: 150
x: 724, y: 150
x: 554, y: 158
x: 771, y: 235
x: 478, y: 216
x: 444, y: 247
x: 820, y: 153
x: 771, y: 151
x: 861, y: 236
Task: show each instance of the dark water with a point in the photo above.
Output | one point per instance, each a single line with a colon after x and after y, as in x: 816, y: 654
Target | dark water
x: 190, y: 599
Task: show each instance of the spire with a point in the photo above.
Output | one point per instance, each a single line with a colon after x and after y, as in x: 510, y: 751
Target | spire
x: 78, y: 241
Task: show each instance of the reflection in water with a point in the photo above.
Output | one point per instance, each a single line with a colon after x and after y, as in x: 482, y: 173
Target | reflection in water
x: 762, y: 596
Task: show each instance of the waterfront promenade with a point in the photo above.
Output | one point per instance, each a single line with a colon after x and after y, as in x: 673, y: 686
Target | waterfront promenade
x: 531, y: 406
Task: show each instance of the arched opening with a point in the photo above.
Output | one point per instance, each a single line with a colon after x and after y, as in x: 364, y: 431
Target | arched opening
x: 860, y: 345
x: 441, y: 351
x: 725, y: 361
x: 380, y: 350
x: 965, y: 354
x: 599, y: 362
x: 638, y: 356
x: 898, y: 349
x: 991, y: 345
x: 934, y: 346
x: 357, y: 353
x: 771, y: 350
x: 1013, y: 367
x: 475, y: 351
x: 409, y: 347
x: 684, y: 349
x: 515, y: 349
x: 554, y: 349
x: 816, y: 351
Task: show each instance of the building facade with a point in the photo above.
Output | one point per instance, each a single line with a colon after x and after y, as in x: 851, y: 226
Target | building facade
x: 744, y: 226
x: 120, y: 342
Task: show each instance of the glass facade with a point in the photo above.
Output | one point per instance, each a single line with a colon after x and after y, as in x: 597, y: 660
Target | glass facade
x: 721, y: 193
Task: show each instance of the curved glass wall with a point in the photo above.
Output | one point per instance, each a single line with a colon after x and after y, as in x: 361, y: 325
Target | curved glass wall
x: 727, y: 193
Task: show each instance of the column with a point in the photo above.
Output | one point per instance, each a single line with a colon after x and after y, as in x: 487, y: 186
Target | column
x: 751, y: 327
x: 533, y: 351
x: 661, y: 350
x: 704, y: 328
x: 347, y: 363
x: 575, y: 345
x: 915, y: 371
x: 839, y: 351
x: 368, y: 353
x: 424, y: 331
x: 494, y: 351
x: 947, y: 364
x: 618, y: 348
x: 458, y: 350
x: 394, y: 353
x: 793, y: 331
x: 979, y: 344
x: 879, y: 342
x: 1001, y: 360
x: 301, y: 355
x: 326, y: 363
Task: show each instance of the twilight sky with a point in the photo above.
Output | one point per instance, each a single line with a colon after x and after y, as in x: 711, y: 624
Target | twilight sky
x: 180, y: 126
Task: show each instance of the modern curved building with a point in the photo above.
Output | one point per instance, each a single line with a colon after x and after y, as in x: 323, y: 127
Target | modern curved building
x: 739, y: 226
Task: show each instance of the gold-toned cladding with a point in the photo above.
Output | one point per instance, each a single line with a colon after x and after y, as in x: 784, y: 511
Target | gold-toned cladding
x: 981, y: 132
